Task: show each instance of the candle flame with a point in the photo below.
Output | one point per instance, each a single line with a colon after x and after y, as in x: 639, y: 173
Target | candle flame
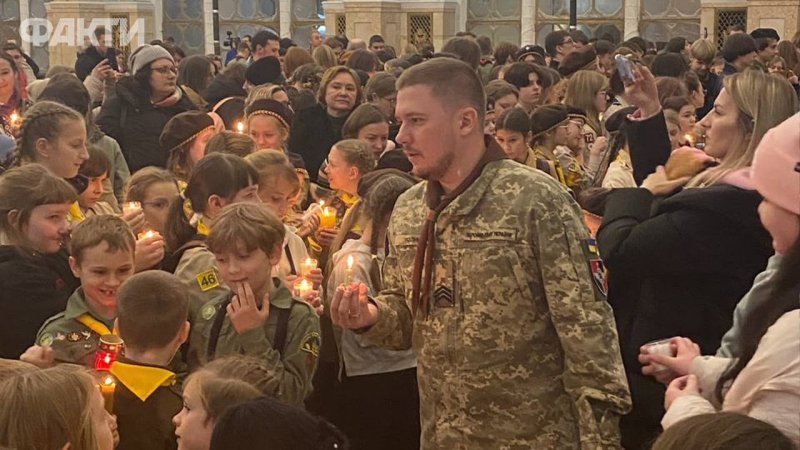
x: 688, y: 137
x: 321, y: 203
x: 240, y: 127
x: 14, y: 117
x: 350, y: 262
x: 308, y: 261
x: 108, y: 381
x: 304, y: 284
x: 149, y: 234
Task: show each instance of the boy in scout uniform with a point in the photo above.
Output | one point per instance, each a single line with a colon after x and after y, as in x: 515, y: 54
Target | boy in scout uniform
x: 258, y: 315
x: 102, y: 257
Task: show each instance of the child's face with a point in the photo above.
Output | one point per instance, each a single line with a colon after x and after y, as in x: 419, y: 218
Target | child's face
x: 46, y: 227
x: 102, y: 422
x: 155, y: 204
x: 192, y: 426
x: 101, y: 273
x: 513, y: 144
x: 688, y: 118
x: 240, y: 266
x: 278, y: 196
x: 246, y: 195
x: 674, y: 135
x: 267, y: 132
x: 64, y: 155
x: 93, y: 192
x: 340, y: 174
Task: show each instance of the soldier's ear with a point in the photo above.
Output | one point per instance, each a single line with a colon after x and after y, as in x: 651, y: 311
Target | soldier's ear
x: 468, y: 121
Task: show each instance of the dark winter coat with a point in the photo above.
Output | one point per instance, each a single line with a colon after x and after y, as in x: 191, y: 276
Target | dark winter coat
x: 136, y: 124
x: 90, y: 58
x: 312, y: 136
x: 33, y: 288
x: 222, y: 87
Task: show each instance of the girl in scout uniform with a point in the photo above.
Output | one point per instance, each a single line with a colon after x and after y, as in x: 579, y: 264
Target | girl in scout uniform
x: 35, y: 278
x: 217, y: 180
x: 549, y: 129
x: 185, y: 137
x: 588, y: 91
x: 257, y: 315
x: 102, y: 258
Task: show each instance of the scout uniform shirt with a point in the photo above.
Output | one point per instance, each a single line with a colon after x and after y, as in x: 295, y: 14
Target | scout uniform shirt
x: 75, y: 333
x: 146, y: 399
x: 293, y: 321
x: 517, y: 348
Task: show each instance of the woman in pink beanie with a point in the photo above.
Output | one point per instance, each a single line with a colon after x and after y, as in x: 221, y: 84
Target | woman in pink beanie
x: 764, y: 381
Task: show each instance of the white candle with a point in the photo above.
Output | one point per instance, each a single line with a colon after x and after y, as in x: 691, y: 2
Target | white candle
x: 302, y: 288
x: 130, y: 207
x: 348, y: 275
x: 307, y: 266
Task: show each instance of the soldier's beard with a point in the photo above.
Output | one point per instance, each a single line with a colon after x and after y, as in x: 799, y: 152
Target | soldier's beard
x: 437, y: 170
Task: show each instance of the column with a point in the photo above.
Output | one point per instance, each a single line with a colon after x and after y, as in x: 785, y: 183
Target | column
x: 24, y: 13
x: 528, y: 22
x: 285, y: 17
x: 632, y: 14
x: 208, y: 25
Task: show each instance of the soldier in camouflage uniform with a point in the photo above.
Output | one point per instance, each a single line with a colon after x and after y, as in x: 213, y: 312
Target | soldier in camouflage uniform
x: 492, y: 277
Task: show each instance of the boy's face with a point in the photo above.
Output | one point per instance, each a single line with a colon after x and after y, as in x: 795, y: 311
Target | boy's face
x: 92, y: 194
x: 101, y: 273
x: 254, y: 268
x: 278, y: 197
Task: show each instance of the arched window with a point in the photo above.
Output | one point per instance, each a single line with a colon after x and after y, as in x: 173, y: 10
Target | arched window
x: 9, y: 20
x: 596, y: 18
x: 498, y: 19
x: 662, y: 20
x: 243, y: 17
x: 307, y: 15
x: 184, y: 21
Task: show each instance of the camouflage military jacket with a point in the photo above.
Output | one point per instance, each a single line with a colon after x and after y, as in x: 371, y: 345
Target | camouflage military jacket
x: 71, y: 340
x: 519, y: 349
x: 295, y: 369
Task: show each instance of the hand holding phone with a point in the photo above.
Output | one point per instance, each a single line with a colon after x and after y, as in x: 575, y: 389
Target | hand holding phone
x: 625, y: 69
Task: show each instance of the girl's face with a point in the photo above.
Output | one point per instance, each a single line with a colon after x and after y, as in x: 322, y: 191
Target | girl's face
x: 246, y: 195
x: 341, y: 175
x: 198, y: 148
x: 267, y: 132
x: 503, y: 103
x: 102, y: 421
x: 489, y: 123
x: 192, y: 426
x: 531, y: 94
x: 92, y: 194
x: 278, y: 197
x: 386, y: 104
x: 376, y: 135
x: 157, y: 198
x: 674, y: 135
x: 560, y: 135
x: 47, y: 227
x: 64, y: 155
x: 687, y: 118
x: 513, y: 143
x: 698, y: 98
x: 781, y: 224
x: 722, y: 128
x: 240, y: 266
x: 601, y: 100
x: 7, y: 80
x: 776, y: 67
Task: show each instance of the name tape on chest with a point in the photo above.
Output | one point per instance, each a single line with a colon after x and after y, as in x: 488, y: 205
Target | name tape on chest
x: 489, y: 235
x: 207, y: 280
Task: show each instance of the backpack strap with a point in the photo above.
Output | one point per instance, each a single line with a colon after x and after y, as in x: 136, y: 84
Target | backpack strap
x: 216, y: 327
x: 279, y: 343
x: 288, y: 251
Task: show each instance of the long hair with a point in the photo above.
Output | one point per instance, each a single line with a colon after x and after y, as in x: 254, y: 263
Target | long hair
x: 325, y: 57
x: 763, y: 102
x: 195, y: 72
x: 364, y: 114
x: 43, y: 120
x: 378, y: 192
x: 581, y: 92
x: 781, y: 299
x: 45, y: 409
x: 722, y: 431
x: 295, y: 57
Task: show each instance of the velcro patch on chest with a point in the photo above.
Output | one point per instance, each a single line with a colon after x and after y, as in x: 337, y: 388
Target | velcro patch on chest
x: 207, y: 280
x: 501, y: 234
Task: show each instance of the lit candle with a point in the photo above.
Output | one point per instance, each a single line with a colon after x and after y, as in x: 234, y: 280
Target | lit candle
x: 107, y: 388
x: 14, y: 119
x: 130, y: 207
x: 148, y: 234
x: 302, y: 288
x: 327, y: 218
x: 348, y: 275
x: 110, y: 345
x: 240, y: 127
x: 307, y: 266
x: 688, y: 137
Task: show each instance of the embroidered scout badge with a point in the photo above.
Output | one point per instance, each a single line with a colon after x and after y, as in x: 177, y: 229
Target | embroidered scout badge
x: 310, y: 344
x: 207, y: 280
x: 208, y: 311
x: 46, y: 339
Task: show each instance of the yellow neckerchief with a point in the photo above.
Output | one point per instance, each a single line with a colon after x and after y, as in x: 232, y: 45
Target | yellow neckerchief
x: 75, y: 214
x: 202, y: 228
x: 142, y: 380
x: 95, y: 325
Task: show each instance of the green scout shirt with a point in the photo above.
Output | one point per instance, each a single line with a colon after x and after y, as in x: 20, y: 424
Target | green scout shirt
x: 198, y: 270
x: 519, y: 349
x: 300, y: 352
x: 71, y: 340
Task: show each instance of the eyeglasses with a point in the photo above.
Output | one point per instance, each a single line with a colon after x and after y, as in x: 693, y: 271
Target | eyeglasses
x: 391, y: 100
x: 165, y: 70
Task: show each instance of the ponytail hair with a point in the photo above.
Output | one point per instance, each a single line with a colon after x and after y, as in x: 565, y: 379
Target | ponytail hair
x: 215, y: 174
x: 43, y: 120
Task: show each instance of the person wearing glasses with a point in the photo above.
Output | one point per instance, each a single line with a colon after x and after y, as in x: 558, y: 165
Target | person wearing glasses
x: 558, y: 44
x: 144, y: 103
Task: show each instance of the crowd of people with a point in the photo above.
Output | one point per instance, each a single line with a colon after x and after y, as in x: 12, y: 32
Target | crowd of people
x: 350, y: 247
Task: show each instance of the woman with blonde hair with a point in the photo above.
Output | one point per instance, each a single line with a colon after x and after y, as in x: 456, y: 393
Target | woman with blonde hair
x: 268, y: 91
x: 325, y: 57
x: 58, y: 408
x: 678, y: 265
x: 587, y: 90
x: 295, y: 57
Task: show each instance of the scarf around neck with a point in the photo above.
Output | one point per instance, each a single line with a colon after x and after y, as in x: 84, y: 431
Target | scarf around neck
x: 437, y: 200
x: 173, y: 99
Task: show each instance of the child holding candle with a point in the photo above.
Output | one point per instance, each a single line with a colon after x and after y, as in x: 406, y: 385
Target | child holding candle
x: 55, y: 408
x: 217, y: 180
x: 372, y: 376
x: 102, y: 258
x: 153, y: 188
x: 277, y: 186
x: 212, y: 390
x: 36, y: 278
x: 151, y: 317
x: 258, y: 315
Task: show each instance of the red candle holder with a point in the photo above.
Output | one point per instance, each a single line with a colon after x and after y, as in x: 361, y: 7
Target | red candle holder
x: 110, y: 345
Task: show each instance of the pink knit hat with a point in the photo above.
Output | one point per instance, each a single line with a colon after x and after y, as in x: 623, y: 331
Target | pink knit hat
x: 776, y: 165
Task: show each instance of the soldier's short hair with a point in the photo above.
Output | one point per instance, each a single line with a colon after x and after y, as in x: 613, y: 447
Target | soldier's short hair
x: 453, y: 82
x: 152, y: 308
x: 99, y: 229
x: 245, y: 227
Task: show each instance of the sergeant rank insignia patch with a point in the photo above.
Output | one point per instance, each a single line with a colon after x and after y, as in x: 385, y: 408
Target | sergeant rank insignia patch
x: 443, y: 297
